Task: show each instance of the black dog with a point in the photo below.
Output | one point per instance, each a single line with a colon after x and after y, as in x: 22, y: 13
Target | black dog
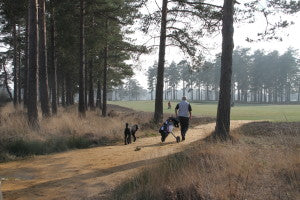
x: 133, y: 130
x: 127, y: 135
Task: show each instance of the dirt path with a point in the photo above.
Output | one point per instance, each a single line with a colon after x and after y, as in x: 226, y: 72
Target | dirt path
x: 85, y: 173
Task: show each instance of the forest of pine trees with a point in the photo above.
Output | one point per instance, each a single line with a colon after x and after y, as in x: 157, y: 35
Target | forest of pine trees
x: 58, y: 49
x: 258, y: 77
x: 53, y: 51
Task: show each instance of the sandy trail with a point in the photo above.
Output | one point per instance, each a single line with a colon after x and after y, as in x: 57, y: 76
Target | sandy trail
x: 81, y: 174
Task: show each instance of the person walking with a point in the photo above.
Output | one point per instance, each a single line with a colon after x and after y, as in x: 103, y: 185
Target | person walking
x: 169, y: 105
x: 183, y: 110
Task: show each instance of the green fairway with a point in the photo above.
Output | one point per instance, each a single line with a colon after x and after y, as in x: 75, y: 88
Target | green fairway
x: 238, y: 112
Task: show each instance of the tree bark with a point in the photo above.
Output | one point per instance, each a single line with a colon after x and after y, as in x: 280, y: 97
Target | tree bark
x: 63, y: 91
x: 199, y: 90
x: 183, y: 88
x: 43, y: 74
x: 158, y: 113
x: 222, y: 129
x: 32, y: 110
x: 99, y: 102
x: 15, y: 64
x: 104, y: 105
x: 299, y: 93
x: 68, y: 91
x: 6, y: 81
x: 25, y: 94
x: 81, y: 105
x: 52, y: 60
x: 86, y: 83
x: 19, y: 66
x: 207, y: 93
x: 91, y: 87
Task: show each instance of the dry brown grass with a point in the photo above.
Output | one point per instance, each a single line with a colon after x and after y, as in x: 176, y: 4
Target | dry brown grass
x: 58, y: 131
x: 13, y: 124
x: 67, y: 130
x: 254, y: 167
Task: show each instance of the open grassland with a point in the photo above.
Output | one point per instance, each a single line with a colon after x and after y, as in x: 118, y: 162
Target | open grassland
x: 262, y: 162
x: 238, y: 112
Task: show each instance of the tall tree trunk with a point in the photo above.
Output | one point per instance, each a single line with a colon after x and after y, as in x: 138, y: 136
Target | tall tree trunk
x: 63, y: 91
x: 288, y: 93
x: 15, y: 63
x: 52, y: 60
x: 174, y: 91
x: 6, y: 81
x: 275, y: 95
x: 19, y: 66
x: 91, y: 87
x: 32, y: 110
x: 199, y: 93
x: 81, y: 105
x: 158, y: 113
x: 183, y: 88
x: 25, y: 94
x: 86, y: 83
x: 299, y: 93
x: 239, y: 94
x: 104, y: 93
x: 68, y: 91
x: 99, y: 101
x: 245, y: 96
x: 104, y: 104
x: 166, y: 90
x: 223, y: 114
x: 207, y: 93
x: 216, y: 93
x: 43, y: 74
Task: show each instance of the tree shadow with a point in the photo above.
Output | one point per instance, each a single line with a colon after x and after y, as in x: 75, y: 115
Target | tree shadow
x: 76, y: 181
x: 158, y: 144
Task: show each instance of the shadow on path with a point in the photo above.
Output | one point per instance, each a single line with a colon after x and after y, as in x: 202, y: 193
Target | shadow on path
x: 77, y: 180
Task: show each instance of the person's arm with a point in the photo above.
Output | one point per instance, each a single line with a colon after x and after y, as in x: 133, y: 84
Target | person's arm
x: 176, y: 109
x: 190, y: 111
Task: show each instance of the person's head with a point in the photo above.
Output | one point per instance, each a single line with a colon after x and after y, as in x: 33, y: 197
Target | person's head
x: 184, y: 98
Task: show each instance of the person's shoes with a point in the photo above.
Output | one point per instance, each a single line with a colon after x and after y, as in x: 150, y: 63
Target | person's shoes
x: 183, y: 138
x: 162, y: 138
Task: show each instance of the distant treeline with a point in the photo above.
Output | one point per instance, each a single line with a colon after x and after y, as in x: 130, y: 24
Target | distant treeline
x: 257, y: 77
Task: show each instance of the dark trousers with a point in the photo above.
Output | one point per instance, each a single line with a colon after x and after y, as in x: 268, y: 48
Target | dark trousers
x: 184, y: 125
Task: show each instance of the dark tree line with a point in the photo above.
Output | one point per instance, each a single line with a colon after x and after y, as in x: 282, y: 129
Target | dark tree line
x: 257, y: 77
x: 130, y: 90
x: 79, y: 45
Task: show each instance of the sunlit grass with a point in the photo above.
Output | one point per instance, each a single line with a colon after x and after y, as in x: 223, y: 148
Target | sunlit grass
x: 262, y: 154
x: 238, y: 112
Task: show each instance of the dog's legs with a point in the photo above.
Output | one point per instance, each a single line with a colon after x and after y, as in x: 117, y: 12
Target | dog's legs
x: 134, y: 138
x: 129, y: 139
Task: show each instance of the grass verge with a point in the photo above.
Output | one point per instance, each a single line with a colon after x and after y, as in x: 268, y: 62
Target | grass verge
x: 262, y: 163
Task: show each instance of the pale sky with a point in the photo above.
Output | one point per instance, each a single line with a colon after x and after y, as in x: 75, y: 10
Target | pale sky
x: 290, y: 35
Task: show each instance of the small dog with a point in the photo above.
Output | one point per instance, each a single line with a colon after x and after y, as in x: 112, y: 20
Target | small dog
x: 133, y: 130
x: 127, y: 134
